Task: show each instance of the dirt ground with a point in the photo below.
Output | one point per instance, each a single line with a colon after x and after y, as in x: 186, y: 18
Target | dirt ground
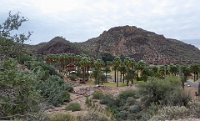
x: 79, y: 96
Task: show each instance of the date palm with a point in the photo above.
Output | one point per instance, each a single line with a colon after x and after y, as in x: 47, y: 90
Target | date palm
x: 140, y: 66
x: 98, y: 64
x: 116, y: 64
x: 130, y: 69
x: 185, y: 72
x: 173, y: 69
x: 195, y: 69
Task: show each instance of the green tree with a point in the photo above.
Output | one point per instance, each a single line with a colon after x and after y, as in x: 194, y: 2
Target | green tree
x: 185, y: 72
x: 195, y: 69
x: 98, y: 64
x: 173, y: 69
x: 116, y: 64
x: 11, y: 45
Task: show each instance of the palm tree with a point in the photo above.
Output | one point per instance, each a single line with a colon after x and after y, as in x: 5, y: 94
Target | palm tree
x: 116, y: 64
x: 84, y: 65
x: 130, y: 75
x: 195, y: 69
x: 129, y: 69
x: 155, y: 71
x: 161, y: 72
x: 173, y: 69
x: 140, y: 68
x: 122, y: 70
x: 185, y: 72
x: 107, y: 70
x: 97, y: 72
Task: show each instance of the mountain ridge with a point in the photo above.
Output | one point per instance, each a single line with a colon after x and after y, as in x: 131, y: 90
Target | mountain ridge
x: 129, y: 41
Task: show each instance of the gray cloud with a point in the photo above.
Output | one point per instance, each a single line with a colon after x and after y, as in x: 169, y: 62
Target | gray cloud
x: 83, y: 19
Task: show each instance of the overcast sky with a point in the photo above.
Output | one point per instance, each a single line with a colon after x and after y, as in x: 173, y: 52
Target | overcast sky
x: 79, y: 20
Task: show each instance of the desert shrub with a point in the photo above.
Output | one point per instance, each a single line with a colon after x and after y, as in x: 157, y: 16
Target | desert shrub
x: 171, y: 113
x: 123, y: 114
x: 73, y: 107
x: 194, y: 108
x: 73, y: 77
x: 38, y: 64
x: 54, y: 90
x: 130, y: 101
x: 24, y: 58
x: 123, y: 96
x: 108, y: 100
x: 17, y: 92
x: 62, y: 117
x: 161, y: 90
x: 88, y: 101
x: 149, y: 112
x: 98, y: 95
x: 174, y: 80
x: 126, y: 94
x: 134, y: 109
x: 96, y: 116
x: 35, y: 117
x: 177, y: 97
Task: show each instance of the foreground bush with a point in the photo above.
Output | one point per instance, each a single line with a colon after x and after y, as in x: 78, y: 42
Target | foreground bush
x: 163, y: 91
x: 17, y: 91
x: 62, y: 117
x: 54, y: 90
x: 194, y: 108
x: 171, y: 113
x: 98, y: 95
x: 73, y: 107
x: 96, y: 116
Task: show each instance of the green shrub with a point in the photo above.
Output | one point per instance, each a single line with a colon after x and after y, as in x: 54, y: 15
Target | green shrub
x: 126, y: 94
x: 134, y: 109
x: 88, y: 101
x: 98, y: 95
x: 162, y: 90
x: 96, y: 116
x: 54, y: 90
x: 149, y: 112
x: 123, y: 115
x: 24, y: 58
x: 177, y: 97
x: 108, y: 100
x: 171, y: 113
x: 130, y: 101
x: 17, y: 91
x: 194, y: 108
x: 73, y: 77
x: 62, y: 117
x: 73, y: 107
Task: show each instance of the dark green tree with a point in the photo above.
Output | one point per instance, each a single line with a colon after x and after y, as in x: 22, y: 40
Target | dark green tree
x: 12, y: 45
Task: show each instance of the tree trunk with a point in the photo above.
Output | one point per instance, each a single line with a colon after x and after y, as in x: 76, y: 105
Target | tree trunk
x: 115, y: 76
x: 106, y: 76
x: 123, y: 78
x: 117, y: 79
x: 120, y: 77
x: 84, y: 74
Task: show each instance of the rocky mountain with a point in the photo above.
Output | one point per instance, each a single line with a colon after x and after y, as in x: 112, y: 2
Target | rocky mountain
x: 142, y: 45
x: 127, y: 41
x: 55, y: 46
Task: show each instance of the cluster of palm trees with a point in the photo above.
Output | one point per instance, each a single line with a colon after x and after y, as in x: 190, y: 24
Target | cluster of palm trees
x: 125, y: 69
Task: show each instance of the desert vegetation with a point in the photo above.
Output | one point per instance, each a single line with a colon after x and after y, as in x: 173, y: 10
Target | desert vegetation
x: 117, y: 88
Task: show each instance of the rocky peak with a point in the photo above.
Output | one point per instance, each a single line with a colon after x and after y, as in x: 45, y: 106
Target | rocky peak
x: 141, y: 44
